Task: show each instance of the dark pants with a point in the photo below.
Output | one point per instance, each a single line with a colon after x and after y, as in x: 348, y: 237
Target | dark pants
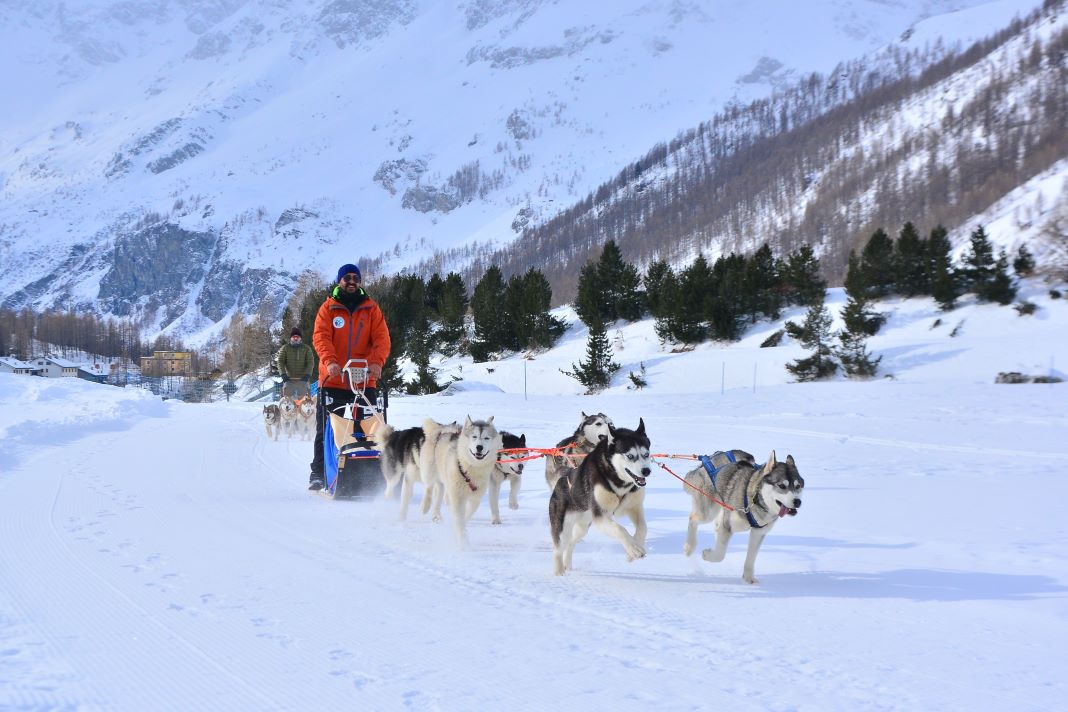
x: 335, y: 400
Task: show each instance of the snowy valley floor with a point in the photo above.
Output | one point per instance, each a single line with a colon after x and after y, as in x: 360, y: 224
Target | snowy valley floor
x: 159, y: 555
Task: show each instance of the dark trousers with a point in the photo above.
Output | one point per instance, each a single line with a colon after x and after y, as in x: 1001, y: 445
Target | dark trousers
x: 334, y: 400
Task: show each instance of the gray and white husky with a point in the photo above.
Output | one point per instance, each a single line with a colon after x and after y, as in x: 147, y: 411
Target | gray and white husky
x: 509, y: 467
x: 609, y: 482
x: 463, y: 463
x: 400, y: 457
x: 759, y: 496
x: 426, y: 472
x: 270, y: 420
x: 591, y: 430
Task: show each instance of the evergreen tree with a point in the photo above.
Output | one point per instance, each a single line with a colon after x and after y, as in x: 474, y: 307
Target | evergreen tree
x: 857, y: 313
x: 590, y: 301
x: 695, y: 283
x: 941, y: 274
x: 910, y: 258
x: 596, y: 371
x: 801, y: 279
x: 877, y: 264
x: 668, y: 305
x: 452, y: 306
x: 420, y: 346
x: 432, y: 297
x: 814, y: 334
x: 1024, y: 264
x: 763, y: 285
x: 979, y: 262
x: 1001, y: 287
x: 653, y: 282
x: 852, y: 351
x: 620, y: 284
x: 544, y: 328
x: 728, y: 298
x: 520, y: 324
x: 490, y: 316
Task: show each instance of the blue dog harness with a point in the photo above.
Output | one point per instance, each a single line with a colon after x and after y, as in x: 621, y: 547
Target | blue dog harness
x: 712, y: 470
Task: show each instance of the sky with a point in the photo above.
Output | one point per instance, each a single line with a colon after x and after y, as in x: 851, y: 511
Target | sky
x: 163, y: 555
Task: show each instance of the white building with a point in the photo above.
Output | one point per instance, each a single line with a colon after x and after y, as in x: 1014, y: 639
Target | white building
x: 54, y: 367
x: 10, y: 364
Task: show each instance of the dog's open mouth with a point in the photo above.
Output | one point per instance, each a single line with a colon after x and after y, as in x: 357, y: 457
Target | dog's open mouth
x: 479, y: 455
x: 640, y: 481
x: 784, y: 510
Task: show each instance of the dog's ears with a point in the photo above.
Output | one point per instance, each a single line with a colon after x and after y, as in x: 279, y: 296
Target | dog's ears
x: 641, y: 427
x: 489, y: 420
x: 584, y: 416
x: 523, y: 440
x: 467, y: 421
x: 790, y: 461
x: 772, y: 462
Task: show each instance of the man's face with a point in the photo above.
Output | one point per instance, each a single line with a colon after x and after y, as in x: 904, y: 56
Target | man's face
x: 350, y: 283
x: 294, y: 339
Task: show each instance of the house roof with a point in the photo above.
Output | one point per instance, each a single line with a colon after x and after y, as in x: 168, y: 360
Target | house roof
x: 12, y: 362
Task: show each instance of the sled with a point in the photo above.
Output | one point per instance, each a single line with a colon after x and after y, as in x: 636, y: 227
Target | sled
x: 347, y: 441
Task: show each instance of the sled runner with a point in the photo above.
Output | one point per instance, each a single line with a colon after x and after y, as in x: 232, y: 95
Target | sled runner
x: 348, y: 441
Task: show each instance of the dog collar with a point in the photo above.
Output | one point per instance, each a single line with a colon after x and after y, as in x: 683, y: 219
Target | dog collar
x: 466, y: 478
x: 755, y: 487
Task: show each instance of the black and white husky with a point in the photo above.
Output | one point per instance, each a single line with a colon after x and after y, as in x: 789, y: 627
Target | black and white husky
x: 758, y: 495
x: 400, y: 457
x: 509, y: 467
x: 463, y: 463
x: 591, y: 430
x: 609, y: 482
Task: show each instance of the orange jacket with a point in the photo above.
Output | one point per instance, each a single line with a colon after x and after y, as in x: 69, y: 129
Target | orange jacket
x: 341, y: 335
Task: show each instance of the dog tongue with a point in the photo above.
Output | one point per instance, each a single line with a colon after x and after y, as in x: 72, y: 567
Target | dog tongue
x: 782, y: 511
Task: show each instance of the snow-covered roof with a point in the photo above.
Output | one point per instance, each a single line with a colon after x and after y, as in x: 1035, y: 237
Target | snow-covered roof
x: 13, y: 362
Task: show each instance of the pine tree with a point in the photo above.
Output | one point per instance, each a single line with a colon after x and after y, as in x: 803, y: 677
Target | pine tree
x: 857, y: 361
x: 763, y: 285
x: 1024, y: 264
x: 544, y: 328
x: 979, y: 262
x: 801, y: 279
x: 490, y: 316
x: 910, y: 260
x: 814, y: 334
x: 620, y: 284
x: 420, y: 346
x: 727, y: 300
x: 590, y: 302
x: 452, y: 306
x: 596, y: 371
x: 877, y: 264
x: 941, y: 274
x: 857, y: 313
x: 695, y: 282
x: 653, y: 283
x: 1001, y: 287
x: 664, y: 323
x: 432, y: 296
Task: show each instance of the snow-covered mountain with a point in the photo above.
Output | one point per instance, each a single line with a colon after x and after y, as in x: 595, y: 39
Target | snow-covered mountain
x: 177, y: 160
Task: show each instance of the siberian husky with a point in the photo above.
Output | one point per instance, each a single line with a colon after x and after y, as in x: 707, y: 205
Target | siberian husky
x: 270, y: 420
x: 426, y: 473
x: 506, y: 469
x: 288, y: 415
x: 400, y: 456
x: 610, y: 481
x: 759, y: 496
x: 591, y: 430
x: 306, y: 410
x: 463, y: 462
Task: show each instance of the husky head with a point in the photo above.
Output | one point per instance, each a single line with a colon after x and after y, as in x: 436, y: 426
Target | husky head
x: 628, y: 451
x: 286, y: 406
x: 270, y: 413
x: 595, y: 428
x: 782, y: 485
x: 506, y: 461
x: 480, y: 438
x: 307, y: 407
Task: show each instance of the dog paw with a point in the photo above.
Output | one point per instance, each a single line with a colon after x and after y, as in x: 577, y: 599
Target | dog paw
x: 710, y: 556
x: 688, y: 548
x: 750, y: 579
x: 513, y: 505
x: 495, y: 520
x: 635, y: 552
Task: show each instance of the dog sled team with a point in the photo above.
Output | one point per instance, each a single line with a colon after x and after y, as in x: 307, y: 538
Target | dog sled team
x: 596, y: 477
x: 293, y: 417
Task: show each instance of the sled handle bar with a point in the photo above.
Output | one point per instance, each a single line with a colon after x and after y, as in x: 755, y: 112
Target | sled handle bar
x: 356, y: 370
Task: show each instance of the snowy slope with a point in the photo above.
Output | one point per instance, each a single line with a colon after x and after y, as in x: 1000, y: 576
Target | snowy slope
x: 290, y: 135
x: 159, y: 555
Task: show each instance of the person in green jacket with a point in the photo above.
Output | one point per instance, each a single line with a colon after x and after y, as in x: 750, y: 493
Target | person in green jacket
x: 296, y: 362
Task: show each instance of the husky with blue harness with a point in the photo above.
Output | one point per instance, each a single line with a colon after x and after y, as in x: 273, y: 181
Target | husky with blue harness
x: 730, y: 489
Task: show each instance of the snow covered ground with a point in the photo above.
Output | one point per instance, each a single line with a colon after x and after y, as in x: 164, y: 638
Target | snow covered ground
x: 161, y: 555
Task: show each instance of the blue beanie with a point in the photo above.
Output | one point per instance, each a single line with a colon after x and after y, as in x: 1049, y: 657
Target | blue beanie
x: 348, y: 269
